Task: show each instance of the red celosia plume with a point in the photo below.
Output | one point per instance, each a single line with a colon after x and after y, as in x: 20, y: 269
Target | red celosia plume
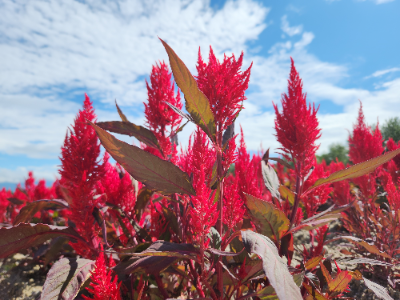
x: 297, y: 125
x: 224, y: 85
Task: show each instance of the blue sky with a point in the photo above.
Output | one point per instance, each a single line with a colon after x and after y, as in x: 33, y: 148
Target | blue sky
x: 54, y: 51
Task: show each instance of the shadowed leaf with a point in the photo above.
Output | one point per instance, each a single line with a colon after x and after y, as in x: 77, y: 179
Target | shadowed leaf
x: 127, y: 128
x: 197, y: 103
x: 269, y: 220
x: 155, y: 173
x: 157, y: 258
x: 25, y: 235
x: 179, y: 112
x: 356, y: 170
x: 141, y: 202
x: 16, y: 201
x: 274, y: 266
x: 379, y: 290
x: 30, y: 209
x: 313, y: 293
x: 364, y: 260
x: 65, y: 278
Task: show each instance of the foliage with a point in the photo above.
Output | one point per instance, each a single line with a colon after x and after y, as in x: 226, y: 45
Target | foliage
x: 391, y: 129
x: 209, y: 221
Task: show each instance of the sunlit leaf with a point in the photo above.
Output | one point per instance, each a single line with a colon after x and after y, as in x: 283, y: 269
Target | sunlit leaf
x: 314, y: 293
x: 274, y: 266
x: 271, y: 180
x: 356, y: 170
x: 157, y: 174
x: 121, y: 114
x: 313, y: 262
x: 25, y: 235
x: 370, y: 248
x: 340, y: 283
x: 197, y: 103
x: 269, y: 220
x: 65, y: 278
x: 286, y: 194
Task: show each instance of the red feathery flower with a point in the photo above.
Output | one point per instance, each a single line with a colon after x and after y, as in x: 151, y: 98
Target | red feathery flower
x: 233, y: 204
x: 248, y: 172
x: 80, y: 171
x: 224, y: 85
x: 393, y: 195
x: 364, y: 143
x: 102, y: 286
x: 391, y: 146
x: 160, y: 118
x: 319, y: 195
x: 341, y: 189
x: 4, y: 203
x: 297, y: 126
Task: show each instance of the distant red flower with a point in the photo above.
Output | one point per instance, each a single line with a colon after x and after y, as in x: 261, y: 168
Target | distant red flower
x: 4, y: 203
x: 341, y: 189
x: 297, y: 125
x: 391, y: 145
x: 224, y: 85
x: 80, y: 171
x: 364, y: 143
x: 102, y: 286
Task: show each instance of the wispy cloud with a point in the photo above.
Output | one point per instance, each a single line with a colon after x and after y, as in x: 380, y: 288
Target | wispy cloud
x: 286, y: 28
x: 383, y: 72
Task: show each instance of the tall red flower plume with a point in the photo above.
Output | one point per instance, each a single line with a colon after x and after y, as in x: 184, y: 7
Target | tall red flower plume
x: 80, y: 171
x: 103, y: 287
x: 364, y: 143
x: 233, y: 204
x: 4, y: 204
x: 224, y: 85
x: 160, y: 118
x: 297, y: 125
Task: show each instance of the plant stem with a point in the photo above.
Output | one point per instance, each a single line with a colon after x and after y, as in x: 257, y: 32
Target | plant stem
x: 297, y: 197
x: 161, y: 286
x: 220, y: 220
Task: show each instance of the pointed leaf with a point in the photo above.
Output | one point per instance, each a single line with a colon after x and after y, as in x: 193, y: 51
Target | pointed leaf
x: 340, y: 283
x: 286, y: 194
x: 121, y: 114
x: 127, y: 128
x: 142, y: 200
x: 25, y: 235
x: 274, y: 266
x: 270, y: 179
x: 197, y: 103
x: 282, y: 162
x: 356, y: 170
x: 30, y: 209
x: 65, y: 278
x: 269, y: 220
x: 379, y: 290
x: 228, y: 134
x: 155, y: 173
x: 179, y: 112
x: 16, y: 201
x: 370, y: 248
x: 313, y: 262
x: 313, y: 293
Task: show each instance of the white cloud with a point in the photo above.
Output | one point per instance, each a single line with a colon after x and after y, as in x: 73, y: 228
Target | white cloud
x: 49, y: 48
x: 18, y: 175
x: 383, y: 1
x: 291, y: 31
x: 383, y: 72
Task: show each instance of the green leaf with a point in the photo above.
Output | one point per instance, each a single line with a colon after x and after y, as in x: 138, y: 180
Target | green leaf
x: 270, y: 179
x: 30, y: 209
x: 127, y: 128
x: 356, y: 170
x: 157, y: 174
x: 25, y: 235
x: 286, y: 194
x: 197, y: 103
x: 269, y: 220
x: 274, y: 266
x: 65, y: 278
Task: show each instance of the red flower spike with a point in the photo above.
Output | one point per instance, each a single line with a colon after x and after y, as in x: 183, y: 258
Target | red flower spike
x: 364, y: 143
x: 341, y: 189
x: 391, y: 145
x: 160, y: 118
x: 297, y: 125
x: 102, y: 286
x: 224, y: 86
x: 4, y: 203
x: 233, y: 204
x: 79, y: 159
